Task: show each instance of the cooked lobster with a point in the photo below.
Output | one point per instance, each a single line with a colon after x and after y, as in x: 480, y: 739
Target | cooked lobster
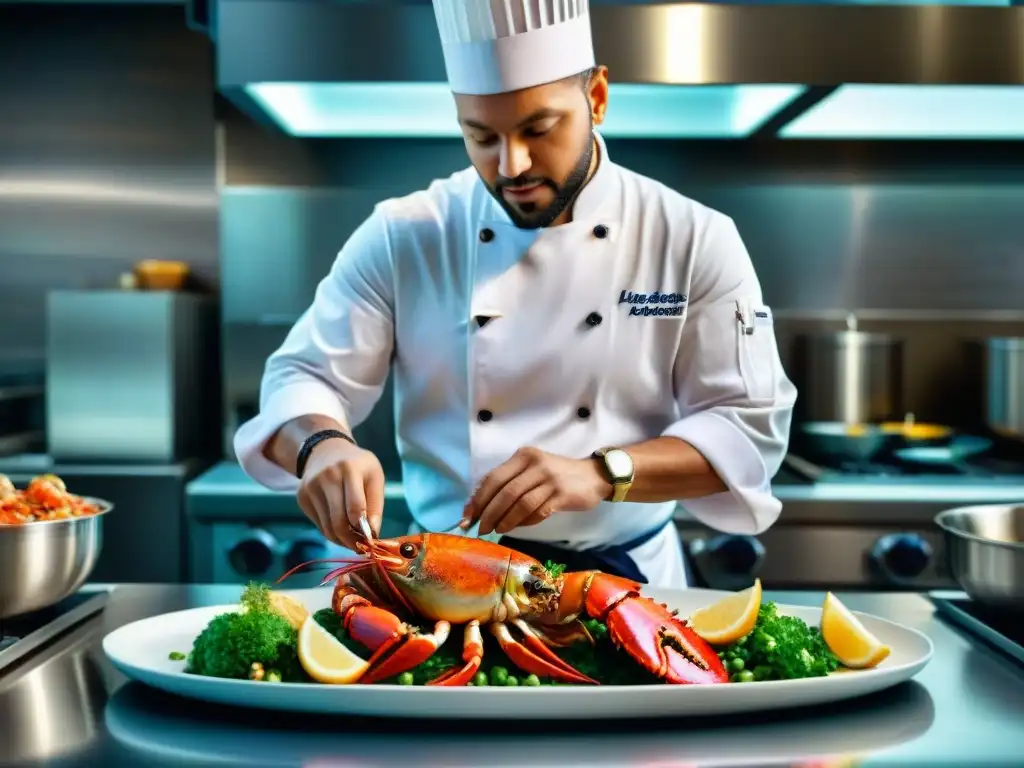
x: 451, y: 580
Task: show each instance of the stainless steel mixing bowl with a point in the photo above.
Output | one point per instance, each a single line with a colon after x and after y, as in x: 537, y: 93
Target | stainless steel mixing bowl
x: 42, y: 563
x: 985, y: 546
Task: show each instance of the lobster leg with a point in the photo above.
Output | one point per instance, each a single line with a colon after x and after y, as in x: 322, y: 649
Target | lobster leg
x: 651, y: 634
x: 396, y: 646
x: 535, y: 657
x: 472, y: 654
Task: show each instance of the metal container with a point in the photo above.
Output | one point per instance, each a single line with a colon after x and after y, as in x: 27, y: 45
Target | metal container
x: 1004, y: 386
x: 852, y: 377
x: 985, y: 546
x: 129, y: 376
x: 42, y: 563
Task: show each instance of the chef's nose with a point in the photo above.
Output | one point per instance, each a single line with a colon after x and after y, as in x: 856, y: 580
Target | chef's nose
x: 515, y: 158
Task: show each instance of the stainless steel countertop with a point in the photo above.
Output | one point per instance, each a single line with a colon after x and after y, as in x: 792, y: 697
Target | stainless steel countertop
x: 68, y: 706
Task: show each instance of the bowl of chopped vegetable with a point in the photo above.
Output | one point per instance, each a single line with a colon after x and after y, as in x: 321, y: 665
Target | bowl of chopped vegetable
x: 50, y: 540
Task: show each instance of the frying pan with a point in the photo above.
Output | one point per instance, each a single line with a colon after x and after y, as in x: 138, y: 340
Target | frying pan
x: 985, y: 550
x: 856, y: 442
x: 952, y: 453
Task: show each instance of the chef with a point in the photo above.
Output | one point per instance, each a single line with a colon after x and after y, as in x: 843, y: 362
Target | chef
x: 577, y: 349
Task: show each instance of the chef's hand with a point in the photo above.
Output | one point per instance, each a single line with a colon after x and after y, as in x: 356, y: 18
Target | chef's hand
x: 533, y: 485
x: 341, y: 483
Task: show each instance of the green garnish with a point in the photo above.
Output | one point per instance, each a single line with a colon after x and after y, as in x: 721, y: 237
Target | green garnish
x: 233, y: 642
x: 176, y: 656
x: 778, y: 648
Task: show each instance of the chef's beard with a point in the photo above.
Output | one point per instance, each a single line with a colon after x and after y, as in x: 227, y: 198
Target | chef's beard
x: 526, y: 215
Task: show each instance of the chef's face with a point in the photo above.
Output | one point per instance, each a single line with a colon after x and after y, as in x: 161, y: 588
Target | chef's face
x: 534, y: 148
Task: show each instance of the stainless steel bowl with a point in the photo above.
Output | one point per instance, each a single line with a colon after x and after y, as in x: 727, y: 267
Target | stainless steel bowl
x: 985, y: 546
x: 42, y: 563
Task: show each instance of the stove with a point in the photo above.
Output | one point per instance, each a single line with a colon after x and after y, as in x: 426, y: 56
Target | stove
x: 1003, y: 631
x: 1000, y: 463
x: 24, y: 634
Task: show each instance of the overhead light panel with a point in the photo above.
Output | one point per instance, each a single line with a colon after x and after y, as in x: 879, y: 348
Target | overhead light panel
x: 914, y: 112
x: 427, y: 110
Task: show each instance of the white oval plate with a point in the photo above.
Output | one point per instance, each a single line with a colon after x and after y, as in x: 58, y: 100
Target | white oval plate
x: 141, y: 651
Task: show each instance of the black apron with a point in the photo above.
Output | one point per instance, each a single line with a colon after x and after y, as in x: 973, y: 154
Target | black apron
x: 614, y: 559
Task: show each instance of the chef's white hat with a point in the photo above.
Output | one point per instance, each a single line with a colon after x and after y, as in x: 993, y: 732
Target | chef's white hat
x: 497, y: 46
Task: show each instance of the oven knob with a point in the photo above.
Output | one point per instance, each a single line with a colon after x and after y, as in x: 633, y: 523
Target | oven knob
x: 737, y: 554
x: 252, y: 555
x: 727, y: 562
x: 902, y: 555
x: 304, y: 550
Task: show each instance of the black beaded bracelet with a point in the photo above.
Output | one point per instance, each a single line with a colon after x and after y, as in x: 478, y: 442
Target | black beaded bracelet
x: 312, y: 442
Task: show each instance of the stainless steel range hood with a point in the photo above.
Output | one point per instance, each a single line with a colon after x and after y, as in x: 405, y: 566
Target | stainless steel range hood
x: 332, y: 69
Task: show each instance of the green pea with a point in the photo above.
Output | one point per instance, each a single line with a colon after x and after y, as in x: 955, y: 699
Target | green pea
x: 512, y: 681
x: 762, y: 672
x: 736, y: 665
x: 770, y: 644
x: 742, y: 641
x: 272, y: 676
x: 405, y: 678
x: 499, y: 675
x: 721, y: 654
x: 746, y: 676
x: 480, y: 678
x: 531, y: 680
x: 176, y: 656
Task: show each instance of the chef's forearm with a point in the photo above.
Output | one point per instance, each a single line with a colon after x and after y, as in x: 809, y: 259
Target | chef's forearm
x: 283, y: 447
x: 669, y: 469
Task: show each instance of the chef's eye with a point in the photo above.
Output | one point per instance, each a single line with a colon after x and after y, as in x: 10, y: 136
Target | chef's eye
x: 407, y: 551
x: 484, y: 141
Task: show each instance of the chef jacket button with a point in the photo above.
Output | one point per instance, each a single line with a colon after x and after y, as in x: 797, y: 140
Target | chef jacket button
x: 485, y: 415
x: 601, y: 231
x: 583, y: 412
x: 593, y: 319
x: 486, y: 235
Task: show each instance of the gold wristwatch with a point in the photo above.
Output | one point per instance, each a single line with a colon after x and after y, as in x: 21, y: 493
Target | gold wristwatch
x: 618, y: 468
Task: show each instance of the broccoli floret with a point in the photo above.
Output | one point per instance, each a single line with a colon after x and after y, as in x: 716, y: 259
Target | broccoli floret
x: 782, y: 648
x: 232, y: 642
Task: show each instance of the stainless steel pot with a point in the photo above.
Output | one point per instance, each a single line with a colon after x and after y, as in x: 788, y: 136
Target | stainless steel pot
x: 42, y: 563
x: 985, y: 546
x: 1004, y: 386
x: 852, y: 377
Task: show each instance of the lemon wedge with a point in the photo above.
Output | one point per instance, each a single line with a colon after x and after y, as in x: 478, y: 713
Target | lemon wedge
x: 730, y: 618
x: 847, y: 638
x: 324, y: 658
x: 290, y: 609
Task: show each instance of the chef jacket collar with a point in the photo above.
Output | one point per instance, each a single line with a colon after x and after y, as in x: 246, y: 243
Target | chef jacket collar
x: 590, y: 203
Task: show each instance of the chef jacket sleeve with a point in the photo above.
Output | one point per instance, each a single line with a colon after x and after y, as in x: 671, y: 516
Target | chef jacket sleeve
x: 735, y: 401
x: 335, y: 360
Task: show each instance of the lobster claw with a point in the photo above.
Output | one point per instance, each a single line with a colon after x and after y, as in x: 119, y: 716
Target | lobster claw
x: 651, y: 634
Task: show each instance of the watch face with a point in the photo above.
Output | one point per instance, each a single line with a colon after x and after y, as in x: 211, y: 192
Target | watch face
x: 619, y: 464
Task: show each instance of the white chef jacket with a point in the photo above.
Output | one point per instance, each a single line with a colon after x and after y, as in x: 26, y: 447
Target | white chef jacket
x: 625, y: 324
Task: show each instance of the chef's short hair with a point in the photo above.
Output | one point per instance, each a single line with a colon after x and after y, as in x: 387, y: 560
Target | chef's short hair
x: 586, y: 76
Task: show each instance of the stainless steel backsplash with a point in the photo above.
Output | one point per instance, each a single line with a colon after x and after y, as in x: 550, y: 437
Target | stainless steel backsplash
x: 925, y: 241
x: 107, y: 155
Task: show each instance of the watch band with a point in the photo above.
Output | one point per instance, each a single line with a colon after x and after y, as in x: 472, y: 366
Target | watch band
x: 619, y: 490
x: 312, y: 442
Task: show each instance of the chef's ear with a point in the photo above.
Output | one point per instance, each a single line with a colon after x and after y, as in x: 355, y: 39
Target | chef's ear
x: 597, y: 93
